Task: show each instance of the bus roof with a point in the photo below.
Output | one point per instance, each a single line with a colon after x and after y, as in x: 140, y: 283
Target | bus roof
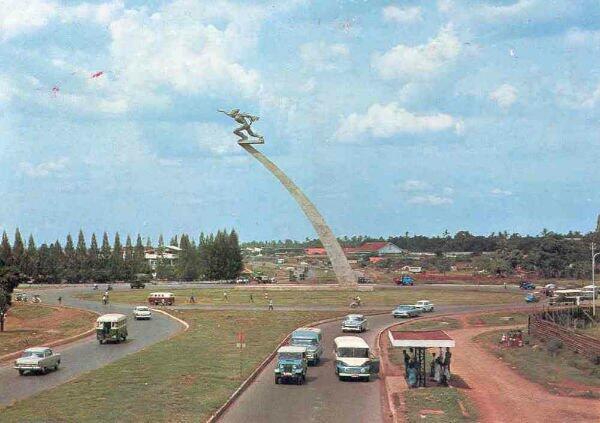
x: 110, y: 318
x: 350, y: 342
x: 290, y: 349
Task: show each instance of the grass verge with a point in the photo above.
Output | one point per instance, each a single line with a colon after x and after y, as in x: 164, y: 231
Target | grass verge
x: 498, y: 319
x: 184, y: 379
x: 384, y: 297
x: 28, y: 325
x: 558, y: 369
x: 438, y: 404
x: 434, y: 324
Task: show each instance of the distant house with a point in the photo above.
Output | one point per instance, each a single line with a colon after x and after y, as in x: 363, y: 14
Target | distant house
x: 412, y: 269
x: 378, y: 248
x: 169, y: 255
x: 458, y: 254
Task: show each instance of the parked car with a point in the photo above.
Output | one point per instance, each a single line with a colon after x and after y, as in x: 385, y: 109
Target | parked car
x: 531, y: 298
x: 242, y: 280
x: 353, y: 358
x: 311, y: 339
x: 406, y: 311
x: 526, y: 285
x: 21, y: 296
x: 38, y: 359
x: 291, y: 364
x: 111, y: 327
x: 140, y: 280
x: 404, y: 281
x: 364, y: 279
x: 354, y: 323
x: 424, y: 305
x: 142, y: 312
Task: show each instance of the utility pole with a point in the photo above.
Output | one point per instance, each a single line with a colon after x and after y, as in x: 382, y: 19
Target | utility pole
x: 594, y: 254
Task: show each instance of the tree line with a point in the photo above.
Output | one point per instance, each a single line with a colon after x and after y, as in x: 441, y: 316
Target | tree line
x: 214, y: 256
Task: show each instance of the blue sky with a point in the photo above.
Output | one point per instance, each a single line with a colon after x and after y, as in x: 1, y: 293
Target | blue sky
x: 392, y: 116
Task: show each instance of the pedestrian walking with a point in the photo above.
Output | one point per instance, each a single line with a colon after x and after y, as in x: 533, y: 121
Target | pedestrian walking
x: 225, y: 296
x: 59, y: 300
x: 251, y: 298
x: 104, y: 299
x: 192, y: 299
x: 270, y: 304
x: 406, y: 361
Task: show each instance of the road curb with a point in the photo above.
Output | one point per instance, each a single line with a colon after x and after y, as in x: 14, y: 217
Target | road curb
x: 58, y: 342
x: 217, y: 414
x: 183, y: 322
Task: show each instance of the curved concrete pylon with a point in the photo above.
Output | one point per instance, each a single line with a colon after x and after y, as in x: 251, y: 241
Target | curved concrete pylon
x: 344, y: 273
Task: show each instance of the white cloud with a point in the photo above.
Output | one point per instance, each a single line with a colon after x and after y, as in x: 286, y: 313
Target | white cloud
x: 448, y: 191
x: 180, y: 47
x: 500, y: 192
x: 430, y: 200
x: 414, y: 185
x: 216, y: 140
x: 582, y: 37
x: 578, y: 97
x: 445, y: 6
x: 505, y: 95
x: 384, y: 121
x: 102, y: 13
x: 19, y: 17
x: 402, y: 14
x: 323, y: 56
x: 500, y: 12
x: 421, y: 61
x: 44, y: 169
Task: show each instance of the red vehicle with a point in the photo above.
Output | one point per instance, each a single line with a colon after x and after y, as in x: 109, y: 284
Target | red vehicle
x: 161, y: 298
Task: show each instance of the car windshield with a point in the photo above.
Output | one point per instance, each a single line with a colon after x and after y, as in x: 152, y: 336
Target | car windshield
x: 290, y: 356
x: 353, y: 319
x: 404, y: 307
x: 304, y: 341
x: 142, y: 308
x: 38, y: 354
x: 353, y: 352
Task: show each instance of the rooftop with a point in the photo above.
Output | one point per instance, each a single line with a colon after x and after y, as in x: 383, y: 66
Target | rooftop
x: 421, y: 338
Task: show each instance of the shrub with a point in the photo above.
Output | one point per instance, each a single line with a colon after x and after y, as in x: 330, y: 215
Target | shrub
x: 554, y: 346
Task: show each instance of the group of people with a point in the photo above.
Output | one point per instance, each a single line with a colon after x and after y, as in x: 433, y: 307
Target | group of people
x: 439, y: 368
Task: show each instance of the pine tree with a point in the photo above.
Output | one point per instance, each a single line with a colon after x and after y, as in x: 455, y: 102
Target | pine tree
x: 31, y: 258
x: 161, y: 241
x: 116, y: 259
x: 18, y: 250
x: 6, y: 250
x: 56, y: 262
x: 148, y: 242
x: 94, y: 264
x: 139, y: 257
x: 174, y: 242
x: 82, y: 262
x: 105, y: 250
x: 70, y: 271
x: 187, y: 264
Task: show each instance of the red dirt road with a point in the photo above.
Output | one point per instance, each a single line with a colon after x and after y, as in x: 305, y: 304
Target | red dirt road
x: 501, y: 395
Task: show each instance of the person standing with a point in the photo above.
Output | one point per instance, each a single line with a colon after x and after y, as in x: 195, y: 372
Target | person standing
x: 225, y: 296
x: 406, y: 361
x: 270, y: 304
x: 251, y: 298
x: 59, y: 300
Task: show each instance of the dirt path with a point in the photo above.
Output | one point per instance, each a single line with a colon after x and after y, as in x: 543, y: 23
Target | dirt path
x: 502, y: 395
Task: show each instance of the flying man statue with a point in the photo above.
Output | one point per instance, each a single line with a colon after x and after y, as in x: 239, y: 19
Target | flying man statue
x: 245, y: 120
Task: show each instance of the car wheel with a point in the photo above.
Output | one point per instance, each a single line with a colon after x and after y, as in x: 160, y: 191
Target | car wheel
x: 21, y: 372
x: 299, y: 380
x: 44, y: 370
x: 276, y: 380
x: 56, y: 367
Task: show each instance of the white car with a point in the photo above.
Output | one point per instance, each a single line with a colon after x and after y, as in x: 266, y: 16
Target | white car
x: 354, y: 323
x: 424, y: 305
x: 38, y: 359
x: 142, y: 312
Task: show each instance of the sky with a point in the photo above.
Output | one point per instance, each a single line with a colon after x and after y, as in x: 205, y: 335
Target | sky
x: 392, y: 116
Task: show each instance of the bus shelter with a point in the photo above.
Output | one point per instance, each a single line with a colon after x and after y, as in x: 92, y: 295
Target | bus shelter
x: 419, y: 341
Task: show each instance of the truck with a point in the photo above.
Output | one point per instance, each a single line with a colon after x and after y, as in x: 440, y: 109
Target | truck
x: 424, y: 305
x: 405, y: 280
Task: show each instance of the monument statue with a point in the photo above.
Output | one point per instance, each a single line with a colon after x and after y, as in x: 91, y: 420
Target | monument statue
x: 343, y: 272
x: 246, y: 121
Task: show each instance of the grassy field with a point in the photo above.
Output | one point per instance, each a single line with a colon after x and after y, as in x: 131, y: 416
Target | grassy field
x: 384, y: 297
x: 498, y: 319
x: 29, y: 325
x: 562, y: 372
x: 184, y: 379
x: 438, y: 404
x: 434, y: 324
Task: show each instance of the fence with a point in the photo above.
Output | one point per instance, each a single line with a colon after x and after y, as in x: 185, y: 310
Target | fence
x: 542, y: 325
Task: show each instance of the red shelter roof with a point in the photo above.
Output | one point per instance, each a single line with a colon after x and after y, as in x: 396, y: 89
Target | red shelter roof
x: 421, y: 338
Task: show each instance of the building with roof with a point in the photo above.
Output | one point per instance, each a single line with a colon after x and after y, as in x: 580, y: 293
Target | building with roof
x: 168, y: 254
x: 379, y: 248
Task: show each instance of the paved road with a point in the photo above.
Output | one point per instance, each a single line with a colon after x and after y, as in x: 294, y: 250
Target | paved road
x: 86, y: 354
x: 356, y: 401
